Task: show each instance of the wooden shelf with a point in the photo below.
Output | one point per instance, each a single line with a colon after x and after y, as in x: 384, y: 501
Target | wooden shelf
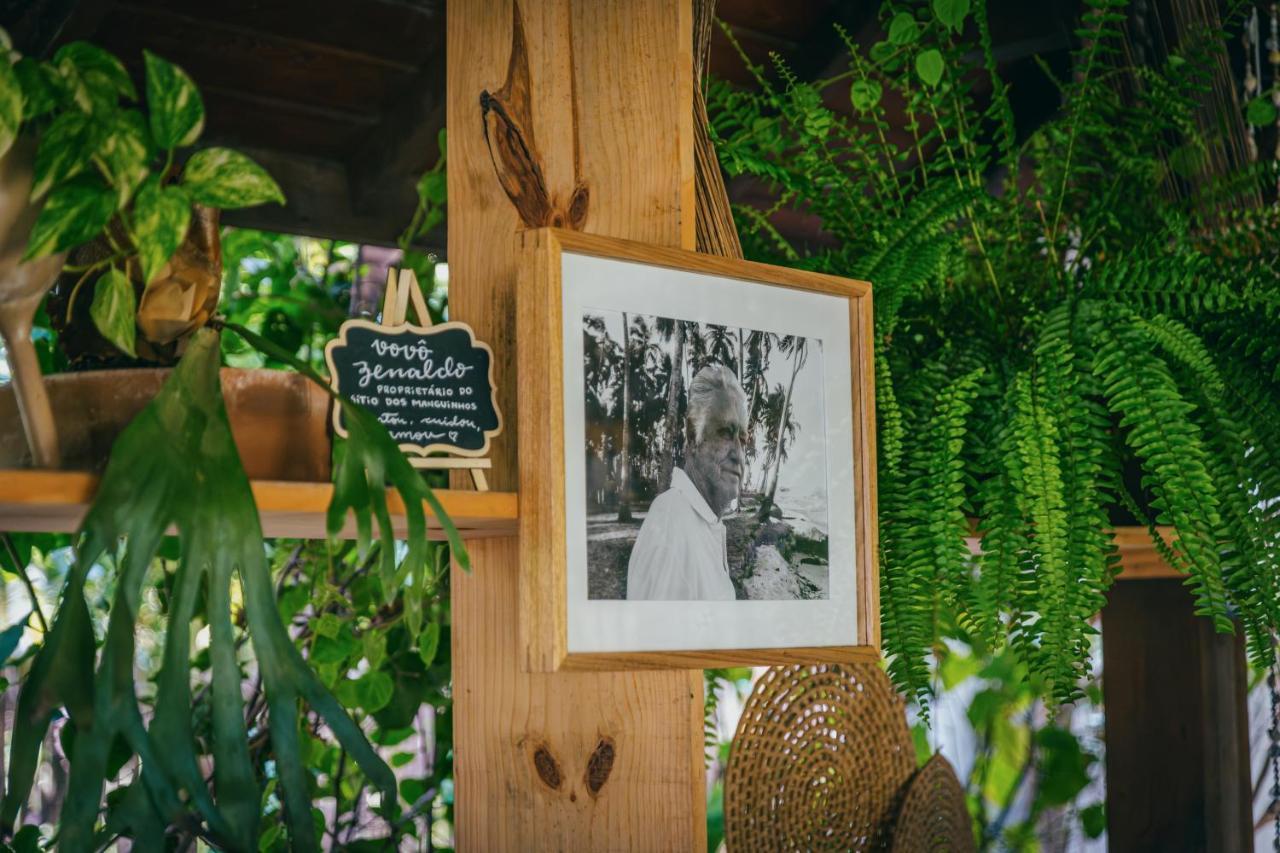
x: 56, y: 501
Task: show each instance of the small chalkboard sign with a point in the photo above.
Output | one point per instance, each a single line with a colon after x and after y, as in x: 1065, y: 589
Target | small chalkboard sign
x: 430, y: 386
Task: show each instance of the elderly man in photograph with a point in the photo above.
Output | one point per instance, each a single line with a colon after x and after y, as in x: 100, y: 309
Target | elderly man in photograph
x: 681, y: 552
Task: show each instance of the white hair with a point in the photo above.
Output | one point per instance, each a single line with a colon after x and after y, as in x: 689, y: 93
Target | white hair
x: 712, y: 381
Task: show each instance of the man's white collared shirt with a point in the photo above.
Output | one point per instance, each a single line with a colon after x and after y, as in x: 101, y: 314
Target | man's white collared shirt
x: 681, y: 552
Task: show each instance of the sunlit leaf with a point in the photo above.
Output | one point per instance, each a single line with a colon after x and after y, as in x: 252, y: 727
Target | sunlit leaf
x: 74, y: 213
x: 226, y: 179
x: 161, y: 217
x: 64, y: 150
x: 114, y: 310
x: 174, y: 103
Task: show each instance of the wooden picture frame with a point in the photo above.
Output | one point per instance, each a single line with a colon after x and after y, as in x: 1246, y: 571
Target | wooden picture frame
x: 544, y: 582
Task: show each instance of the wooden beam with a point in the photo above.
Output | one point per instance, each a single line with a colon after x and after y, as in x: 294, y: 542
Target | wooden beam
x: 386, y: 165
x: 599, y: 93
x: 38, y: 27
x: 319, y: 204
x: 56, y: 502
x: 1177, y: 758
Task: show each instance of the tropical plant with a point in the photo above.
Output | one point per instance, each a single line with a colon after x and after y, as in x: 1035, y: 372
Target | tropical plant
x: 1070, y: 327
x: 107, y: 171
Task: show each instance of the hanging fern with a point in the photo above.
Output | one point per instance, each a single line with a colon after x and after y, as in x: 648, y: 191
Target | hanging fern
x: 1056, y: 316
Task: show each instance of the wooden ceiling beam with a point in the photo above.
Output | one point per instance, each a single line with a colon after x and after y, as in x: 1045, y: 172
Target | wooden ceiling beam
x: 38, y: 26
x: 318, y: 194
x: 386, y: 164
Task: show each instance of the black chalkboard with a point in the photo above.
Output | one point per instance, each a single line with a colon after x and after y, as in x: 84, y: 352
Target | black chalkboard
x: 431, y: 388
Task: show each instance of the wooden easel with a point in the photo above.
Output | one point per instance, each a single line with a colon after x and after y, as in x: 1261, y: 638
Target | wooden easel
x: 400, y: 293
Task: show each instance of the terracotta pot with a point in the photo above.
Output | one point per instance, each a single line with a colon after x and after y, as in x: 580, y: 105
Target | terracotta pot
x: 279, y: 419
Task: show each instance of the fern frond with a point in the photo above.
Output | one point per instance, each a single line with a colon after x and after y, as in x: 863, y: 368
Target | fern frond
x: 1169, y: 445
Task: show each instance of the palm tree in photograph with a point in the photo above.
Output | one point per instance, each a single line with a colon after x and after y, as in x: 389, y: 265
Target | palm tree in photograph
x: 755, y: 363
x: 673, y: 331
x: 602, y: 363
x: 798, y: 348
x: 721, y: 347
x: 624, y: 472
x: 780, y: 430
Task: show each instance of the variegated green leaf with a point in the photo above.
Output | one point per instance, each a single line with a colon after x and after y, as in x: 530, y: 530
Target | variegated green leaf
x: 10, y: 105
x: 177, y: 112
x: 74, y: 213
x: 124, y: 152
x: 114, y: 310
x: 161, y: 216
x: 65, y: 149
x: 91, y: 67
x: 42, y: 88
x: 220, y: 177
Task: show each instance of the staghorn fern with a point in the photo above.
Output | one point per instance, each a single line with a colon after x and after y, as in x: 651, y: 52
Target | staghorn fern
x: 176, y: 464
x: 1056, y: 316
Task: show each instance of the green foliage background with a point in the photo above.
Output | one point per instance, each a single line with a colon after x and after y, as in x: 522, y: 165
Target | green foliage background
x: 1071, y: 328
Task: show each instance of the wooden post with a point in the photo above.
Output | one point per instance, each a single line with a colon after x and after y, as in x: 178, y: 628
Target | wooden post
x: 1177, y: 729
x: 574, y: 113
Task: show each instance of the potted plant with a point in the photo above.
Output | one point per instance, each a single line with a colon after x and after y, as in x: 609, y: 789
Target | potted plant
x: 206, y: 764
x: 110, y: 180
x: 1059, y: 343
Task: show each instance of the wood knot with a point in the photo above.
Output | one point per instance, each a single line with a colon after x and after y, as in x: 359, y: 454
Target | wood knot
x: 578, y: 204
x: 547, y: 768
x: 600, y: 765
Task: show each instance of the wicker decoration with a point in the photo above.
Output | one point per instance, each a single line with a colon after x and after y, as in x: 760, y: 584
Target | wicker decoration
x: 934, y: 815
x: 818, y: 762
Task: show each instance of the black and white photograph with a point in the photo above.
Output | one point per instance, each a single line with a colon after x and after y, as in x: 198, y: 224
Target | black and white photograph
x: 705, y: 461
x: 710, y: 487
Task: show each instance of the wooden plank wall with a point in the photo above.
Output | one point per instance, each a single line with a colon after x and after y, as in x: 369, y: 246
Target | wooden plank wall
x: 574, y: 113
x: 1177, y: 757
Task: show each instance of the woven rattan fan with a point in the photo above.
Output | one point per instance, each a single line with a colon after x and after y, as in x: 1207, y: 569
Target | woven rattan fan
x: 820, y: 757
x: 933, y: 815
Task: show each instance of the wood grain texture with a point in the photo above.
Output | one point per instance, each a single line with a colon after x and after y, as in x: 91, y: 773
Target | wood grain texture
x: 56, y: 501
x: 566, y: 761
x: 719, y: 658
x: 539, y: 325
x: 1176, y: 728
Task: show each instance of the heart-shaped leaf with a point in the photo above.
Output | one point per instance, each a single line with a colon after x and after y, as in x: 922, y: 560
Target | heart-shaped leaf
x: 97, y: 78
x: 903, y: 29
x: 865, y: 94
x: 177, y: 112
x: 374, y: 690
x: 161, y: 216
x: 951, y: 13
x: 75, y: 213
x: 220, y: 177
x: 114, y: 310
x: 929, y: 67
x: 65, y: 147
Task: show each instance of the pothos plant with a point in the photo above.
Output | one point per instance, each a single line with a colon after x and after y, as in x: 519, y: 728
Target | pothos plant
x: 1072, y: 329
x: 205, y: 764
x: 111, y: 167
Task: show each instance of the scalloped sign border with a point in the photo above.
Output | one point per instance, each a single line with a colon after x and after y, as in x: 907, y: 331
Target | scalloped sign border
x: 335, y: 376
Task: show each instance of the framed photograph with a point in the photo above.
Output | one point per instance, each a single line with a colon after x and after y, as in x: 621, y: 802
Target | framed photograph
x: 697, y: 459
